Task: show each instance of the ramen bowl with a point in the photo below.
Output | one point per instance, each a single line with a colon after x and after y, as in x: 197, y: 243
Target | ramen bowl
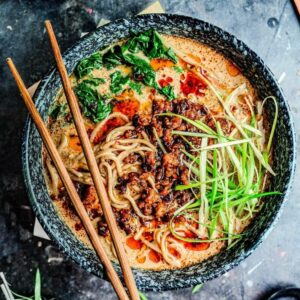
x: 283, y: 152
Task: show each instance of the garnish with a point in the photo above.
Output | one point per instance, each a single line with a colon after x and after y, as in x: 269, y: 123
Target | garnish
x: 57, y: 110
x: 151, y: 44
x: 142, y: 296
x: 136, y: 86
x: 93, y: 104
x: 196, y: 288
x: 193, y: 85
x: 178, y: 69
x: 95, y: 81
x: 118, y: 82
x: 87, y: 65
x: 113, y: 57
x: 226, y: 176
x: 168, y: 91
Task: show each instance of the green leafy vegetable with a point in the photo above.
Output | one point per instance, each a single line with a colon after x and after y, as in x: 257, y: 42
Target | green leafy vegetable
x: 142, y: 71
x: 146, y: 75
x: 151, y: 44
x: 92, y: 103
x: 57, y: 110
x: 178, y: 69
x: 118, y: 82
x: 136, y: 86
x: 94, y: 81
x: 113, y: 57
x: 168, y: 91
x: 86, y: 65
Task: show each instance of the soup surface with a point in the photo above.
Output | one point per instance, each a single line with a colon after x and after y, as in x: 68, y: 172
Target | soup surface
x: 181, y: 143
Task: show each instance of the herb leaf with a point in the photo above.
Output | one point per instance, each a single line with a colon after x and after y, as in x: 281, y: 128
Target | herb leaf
x: 178, y: 69
x: 118, y: 82
x: 151, y: 44
x: 92, y: 103
x: 113, y: 57
x: 88, y: 64
x: 136, y: 86
x: 57, y: 110
x: 168, y: 91
x: 94, y: 81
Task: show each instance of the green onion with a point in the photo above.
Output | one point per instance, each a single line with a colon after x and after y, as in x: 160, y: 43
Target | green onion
x: 142, y: 296
x: 37, y: 288
x: 198, y: 124
x: 274, y: 121
x: 162, y: 147
x: 197, y: 288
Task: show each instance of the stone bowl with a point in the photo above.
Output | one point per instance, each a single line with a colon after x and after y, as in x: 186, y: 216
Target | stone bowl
x: 283, y: 163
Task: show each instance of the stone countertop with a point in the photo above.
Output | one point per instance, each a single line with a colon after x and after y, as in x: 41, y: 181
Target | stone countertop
x: 270, y: 28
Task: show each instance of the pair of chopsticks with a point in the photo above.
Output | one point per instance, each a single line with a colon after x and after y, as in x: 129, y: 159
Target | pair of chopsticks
x: 92, y: 164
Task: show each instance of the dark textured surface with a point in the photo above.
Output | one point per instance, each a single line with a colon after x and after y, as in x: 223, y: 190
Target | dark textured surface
x: 269, y: 27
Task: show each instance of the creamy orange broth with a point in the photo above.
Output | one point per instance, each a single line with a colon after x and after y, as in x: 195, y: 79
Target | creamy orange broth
x: 228, y: 77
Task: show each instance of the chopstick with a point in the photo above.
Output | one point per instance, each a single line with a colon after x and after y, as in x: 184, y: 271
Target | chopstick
x: 65, y: 177
x: 93, y: 167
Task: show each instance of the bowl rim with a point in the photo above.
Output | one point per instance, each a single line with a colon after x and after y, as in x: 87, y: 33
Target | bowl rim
x: 192, y: 279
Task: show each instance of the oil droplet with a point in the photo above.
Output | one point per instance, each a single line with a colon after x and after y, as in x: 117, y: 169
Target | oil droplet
x: 273, y: 22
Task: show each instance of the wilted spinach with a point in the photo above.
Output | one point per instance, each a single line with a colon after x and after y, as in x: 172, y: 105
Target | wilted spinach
x: 88, y: 64
x: 92, y: 103
x: 94, y: 81
x: 136, y: 86
x: 148, y: 42
x: 168, y: 91
x: 57, y: 110
x: 113, y: 57
x: 151, y: 44
x: 118, y: 82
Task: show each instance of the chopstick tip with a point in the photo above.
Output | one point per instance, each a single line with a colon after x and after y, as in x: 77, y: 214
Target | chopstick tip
x: 9, y: 61
x: 47, y: 23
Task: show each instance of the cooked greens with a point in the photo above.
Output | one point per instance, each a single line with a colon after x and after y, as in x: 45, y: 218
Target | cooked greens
x: 93, y: 104
x: 168, y: 91
x: 150, y: 44
x: 178, y: 69
x: 57, y: 110
x: 87, y: 65
x: 94, y: 81
x: 136, y: 86
x: 118, y: 82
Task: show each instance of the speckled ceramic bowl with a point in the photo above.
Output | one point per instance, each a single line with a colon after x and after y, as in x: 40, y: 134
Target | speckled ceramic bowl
x: 284, y: 149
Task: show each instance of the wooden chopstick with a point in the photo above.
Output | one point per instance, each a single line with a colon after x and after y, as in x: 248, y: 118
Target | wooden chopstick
x: 64, y: 175
x: 93, y: 167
